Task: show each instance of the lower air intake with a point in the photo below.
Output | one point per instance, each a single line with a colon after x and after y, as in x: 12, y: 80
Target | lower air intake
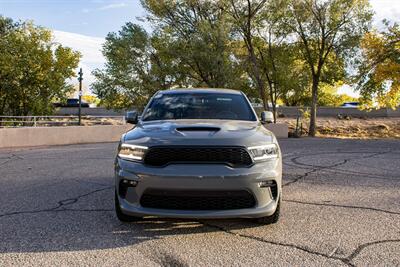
x: 197, y: 200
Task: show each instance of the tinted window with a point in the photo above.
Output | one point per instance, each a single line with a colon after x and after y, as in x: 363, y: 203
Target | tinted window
x: 198, y: 106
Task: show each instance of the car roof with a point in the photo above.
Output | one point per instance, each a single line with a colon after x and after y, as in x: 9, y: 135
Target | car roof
x: 201, y: 90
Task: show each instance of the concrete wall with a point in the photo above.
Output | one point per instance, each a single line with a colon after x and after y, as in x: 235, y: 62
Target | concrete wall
x: 280, y: 130
x: 393, y: 113
x: 49, y: 136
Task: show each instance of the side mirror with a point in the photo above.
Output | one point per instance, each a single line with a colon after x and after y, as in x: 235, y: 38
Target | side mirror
x: 267, y: 117
x: 132, y: 117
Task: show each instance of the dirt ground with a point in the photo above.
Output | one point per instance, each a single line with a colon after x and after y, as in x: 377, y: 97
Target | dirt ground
x: 366, y: 128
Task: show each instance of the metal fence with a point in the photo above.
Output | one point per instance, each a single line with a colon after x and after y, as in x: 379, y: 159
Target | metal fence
x: 49, y: 121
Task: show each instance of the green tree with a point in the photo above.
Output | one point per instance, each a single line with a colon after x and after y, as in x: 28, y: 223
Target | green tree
x: 380, y: 69
x: 6, y: 26
x: 247, y: 19
x: 323, y: 28
x: 196, y: 36
x: 134, y: 70
x: 33, y: 69
x: 270, y: 55
x: 190, y: 46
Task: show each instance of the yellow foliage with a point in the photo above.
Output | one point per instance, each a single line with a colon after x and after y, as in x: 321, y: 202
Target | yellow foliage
x: 382, y: 52
x: 91, y: 99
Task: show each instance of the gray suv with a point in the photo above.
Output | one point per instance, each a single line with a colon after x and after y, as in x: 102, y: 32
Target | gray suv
x: 198, y: 153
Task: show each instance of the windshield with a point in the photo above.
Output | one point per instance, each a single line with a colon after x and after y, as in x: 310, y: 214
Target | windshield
x: 220, y: 106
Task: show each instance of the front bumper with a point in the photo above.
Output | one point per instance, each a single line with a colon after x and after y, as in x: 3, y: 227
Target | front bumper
x: 199, y: 177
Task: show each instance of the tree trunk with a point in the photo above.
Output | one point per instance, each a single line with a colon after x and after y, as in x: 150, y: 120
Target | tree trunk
x: 313, y: 118
x: 259, y: 81
x: 271, y: 96
x: 274, y: 111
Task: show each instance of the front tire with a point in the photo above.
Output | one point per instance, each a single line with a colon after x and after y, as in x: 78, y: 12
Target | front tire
x: 120, y: 215
x: 274, y: 218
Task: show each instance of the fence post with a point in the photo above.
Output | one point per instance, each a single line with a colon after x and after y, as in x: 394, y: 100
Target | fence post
x: 34, y: 121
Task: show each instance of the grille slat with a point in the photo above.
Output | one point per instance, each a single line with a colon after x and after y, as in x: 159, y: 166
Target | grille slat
x: 197, y: 200
x: 233, y: 156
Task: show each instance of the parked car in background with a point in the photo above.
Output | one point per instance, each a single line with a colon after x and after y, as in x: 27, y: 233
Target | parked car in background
x: 350, y: 105
x: 260, y: 105
x: 199, y: 153
x: 71, y: 103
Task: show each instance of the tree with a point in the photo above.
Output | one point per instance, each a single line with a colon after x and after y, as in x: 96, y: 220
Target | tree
x: 196, y: 35
x: 246, y: 17
x: 323, y: 28
x: 6, y: 26
x: 190, y: 46
x: 127, y: 80
x: 296, y: 88
x: 379, y: 76
x: 277, y: 59
x: 33, y: 69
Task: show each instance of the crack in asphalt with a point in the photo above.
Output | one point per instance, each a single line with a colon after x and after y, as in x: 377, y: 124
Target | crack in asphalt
x: 346, y: 260
x: 360, y: 248
x: 316, y: 168
x: 373, y: 154
x: 10, y: 158
x: 260, y: 239
x: 334, y: 170
x: 341, y: 171
x: 61, y: 205
x: 73, y: 200
x: 342, y: 206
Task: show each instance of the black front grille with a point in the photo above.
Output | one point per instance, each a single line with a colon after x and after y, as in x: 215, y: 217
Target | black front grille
x: 197, y: 200
x: 233, y: 156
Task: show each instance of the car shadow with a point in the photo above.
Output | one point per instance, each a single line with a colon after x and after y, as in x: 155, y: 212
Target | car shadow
x: 93, y: 229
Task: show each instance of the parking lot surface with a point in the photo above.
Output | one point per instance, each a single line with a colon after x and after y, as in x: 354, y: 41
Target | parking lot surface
x: 341, y: 206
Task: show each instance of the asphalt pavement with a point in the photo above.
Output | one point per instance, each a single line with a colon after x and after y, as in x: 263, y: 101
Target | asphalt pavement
x: 341, y: 206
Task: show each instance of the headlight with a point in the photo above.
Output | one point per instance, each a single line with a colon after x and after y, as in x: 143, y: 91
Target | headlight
x: 265, y: 152
x: 131, y: 152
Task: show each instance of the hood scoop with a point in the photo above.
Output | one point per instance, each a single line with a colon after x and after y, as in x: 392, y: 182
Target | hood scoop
x: 198, y: 129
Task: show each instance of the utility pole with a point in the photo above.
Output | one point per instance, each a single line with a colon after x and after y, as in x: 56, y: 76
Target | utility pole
x: 80, y: 94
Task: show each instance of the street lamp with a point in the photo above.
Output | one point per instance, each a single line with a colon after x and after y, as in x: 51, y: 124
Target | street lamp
x: 80, y: 94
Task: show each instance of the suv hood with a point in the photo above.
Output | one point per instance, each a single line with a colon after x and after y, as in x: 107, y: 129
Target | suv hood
x: 199, y: 133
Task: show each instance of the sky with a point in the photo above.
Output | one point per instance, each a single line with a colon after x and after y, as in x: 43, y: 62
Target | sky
x: 79, y: 24
x: 83, y: 24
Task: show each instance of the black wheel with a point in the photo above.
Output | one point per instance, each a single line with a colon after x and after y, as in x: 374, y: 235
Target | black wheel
x: 121, y: 216
x: 274, y: 218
